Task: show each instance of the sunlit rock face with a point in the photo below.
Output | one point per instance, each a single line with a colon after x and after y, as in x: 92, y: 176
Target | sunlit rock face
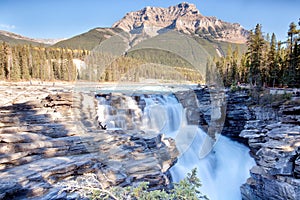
x: 183, y: 17
x: 50, y: 141
x: 274, y: 140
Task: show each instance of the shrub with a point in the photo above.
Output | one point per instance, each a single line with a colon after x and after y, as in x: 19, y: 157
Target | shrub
x: 186, y: 189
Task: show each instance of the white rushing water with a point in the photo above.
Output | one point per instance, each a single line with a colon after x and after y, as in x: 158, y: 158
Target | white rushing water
x: 221, y: 172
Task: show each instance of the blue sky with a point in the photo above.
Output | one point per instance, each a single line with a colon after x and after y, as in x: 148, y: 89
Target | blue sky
x: 66, y: 18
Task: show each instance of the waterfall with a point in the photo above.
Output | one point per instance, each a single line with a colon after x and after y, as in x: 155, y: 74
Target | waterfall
x: 221, y: 172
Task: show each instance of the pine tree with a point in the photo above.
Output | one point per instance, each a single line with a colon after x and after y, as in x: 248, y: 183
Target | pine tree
x: 293, y: 46
x: 4, y: 61
x: 227, y: 75
x: 71, y: 68
x: 209, y: 76
x: 282, y: 58
x: 234, y: 67
x: 15, y: 66
x: 244, y: 69
x: 272, y: 62
x: 24, y: 62
x: 255, y: 50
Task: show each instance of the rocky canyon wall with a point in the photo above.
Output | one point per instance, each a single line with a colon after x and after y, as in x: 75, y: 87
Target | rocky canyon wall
x: 272, y: 132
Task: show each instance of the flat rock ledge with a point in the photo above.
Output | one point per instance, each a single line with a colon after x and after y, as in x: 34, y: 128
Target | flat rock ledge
x: 49, y: 138
x: 275, y: 145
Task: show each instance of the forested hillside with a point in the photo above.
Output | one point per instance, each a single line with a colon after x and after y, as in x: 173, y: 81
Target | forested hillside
x: 26, y: 62
x: 88, y: 40
x: 267, y: 62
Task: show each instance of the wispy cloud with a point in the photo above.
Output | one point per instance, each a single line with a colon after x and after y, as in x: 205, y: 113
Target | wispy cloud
x: 7, y: 26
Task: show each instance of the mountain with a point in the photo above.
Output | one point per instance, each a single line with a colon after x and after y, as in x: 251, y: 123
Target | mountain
x: 147, y: 23
x: 48, y: 41
x: 184, y: 18
x: 16, y: 39
x: 89, y: 39
x: 216, y: 35
x: 178, y: 36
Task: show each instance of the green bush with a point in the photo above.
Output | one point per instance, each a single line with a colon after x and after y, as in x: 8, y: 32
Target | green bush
x: 186, y: 189
x: 235, y: 88
x: 287, y: 96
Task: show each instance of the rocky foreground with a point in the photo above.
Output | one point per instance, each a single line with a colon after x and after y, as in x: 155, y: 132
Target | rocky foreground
x: 50, y: 140
x: 51, y: 145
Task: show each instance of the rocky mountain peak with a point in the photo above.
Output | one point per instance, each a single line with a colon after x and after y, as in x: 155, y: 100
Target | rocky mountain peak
x: 184, y: 17
x: 187, y: 7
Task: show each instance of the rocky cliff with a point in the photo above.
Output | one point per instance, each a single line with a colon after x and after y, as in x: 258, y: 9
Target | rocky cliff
x: 51, y: 145
x: 274, y: 141
x: 199, y: 105
x: 183, y: 17
x: 271, y: 131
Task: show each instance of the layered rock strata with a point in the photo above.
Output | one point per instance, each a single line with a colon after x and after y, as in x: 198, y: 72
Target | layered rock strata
x: 271, y: 131
x: 49, y: 137
x: 200, y: 102
x: 275, y: 144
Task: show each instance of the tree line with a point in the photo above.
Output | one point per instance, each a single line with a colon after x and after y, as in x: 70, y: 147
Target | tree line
x: 267, y: 62
x: 26, y: 62
x: 108, y: 68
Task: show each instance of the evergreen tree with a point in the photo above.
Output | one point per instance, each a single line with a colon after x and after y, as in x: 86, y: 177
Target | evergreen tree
x: 71, y: 68
x: 272, y: 62
x: 234, y: 67
x: 282, y: 58
x: 244, y: 69
x: 255, y: 50
x: 56, y: 65
x: 4, y: 61
x: 15, y: 68
x: 24, y: 62
x: 293, y: 51
x: 210, y: 73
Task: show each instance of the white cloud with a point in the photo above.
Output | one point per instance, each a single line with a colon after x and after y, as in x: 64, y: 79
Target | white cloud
x: 7, y: 26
